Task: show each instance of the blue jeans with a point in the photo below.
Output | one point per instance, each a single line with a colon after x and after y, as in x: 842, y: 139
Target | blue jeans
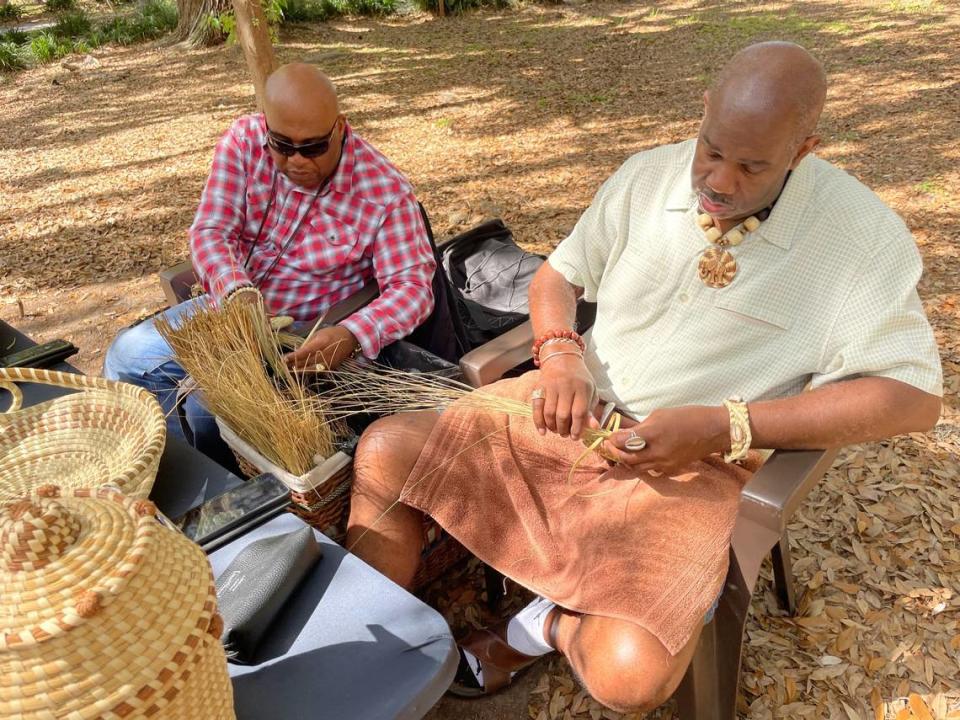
x: 138, y: 355
x: 708, y: 618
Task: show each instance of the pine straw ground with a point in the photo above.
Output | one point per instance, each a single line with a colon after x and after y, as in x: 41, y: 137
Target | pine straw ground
x: 522, y: 114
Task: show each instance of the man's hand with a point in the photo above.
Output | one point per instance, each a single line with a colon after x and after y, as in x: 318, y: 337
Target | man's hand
x: 569, y: 395
x: 675, y: 437
x: 328, y: 347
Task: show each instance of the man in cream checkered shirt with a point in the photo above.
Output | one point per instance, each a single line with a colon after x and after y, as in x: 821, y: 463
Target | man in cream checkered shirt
x: 747, y: 293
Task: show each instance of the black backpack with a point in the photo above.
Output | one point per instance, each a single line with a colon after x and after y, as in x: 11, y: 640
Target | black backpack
x: 490, y: 276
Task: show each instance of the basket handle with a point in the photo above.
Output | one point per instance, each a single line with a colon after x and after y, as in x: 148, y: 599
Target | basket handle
x: 73, y: 381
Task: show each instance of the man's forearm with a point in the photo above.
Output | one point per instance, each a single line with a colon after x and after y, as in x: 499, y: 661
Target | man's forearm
x: 214, y: 259
x: 553, y: 301
x: 398, y: 311
x: 843, y: 413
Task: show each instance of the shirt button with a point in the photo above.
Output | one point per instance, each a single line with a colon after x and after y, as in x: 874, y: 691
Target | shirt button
x: 683, y: 297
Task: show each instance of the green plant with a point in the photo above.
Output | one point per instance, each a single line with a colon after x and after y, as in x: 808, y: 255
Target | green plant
x: 273, y: 9
x: 72, y: 25
x: 370, y: 7
x: 159, y: 15
x: 153, y: 19
x: 455, y: 7
x: 10, y: 12
x: 223, y: 25
x: 11, y: 56
x: 295, y: 11
x: 46, y: 47
x: 61, y: 5
x: 15, y: 36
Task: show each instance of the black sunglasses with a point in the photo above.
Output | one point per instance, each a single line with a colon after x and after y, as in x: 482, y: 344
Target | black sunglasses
x: 312, y: 149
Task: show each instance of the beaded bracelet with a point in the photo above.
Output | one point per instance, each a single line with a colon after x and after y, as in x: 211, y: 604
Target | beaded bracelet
x: 556, y: 334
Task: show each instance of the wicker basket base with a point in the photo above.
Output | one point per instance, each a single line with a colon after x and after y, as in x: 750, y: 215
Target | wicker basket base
x: 328, y: 510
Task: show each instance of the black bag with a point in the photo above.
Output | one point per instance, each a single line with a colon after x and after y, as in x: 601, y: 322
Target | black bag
x: 491, y: 276
x: 256, y: 585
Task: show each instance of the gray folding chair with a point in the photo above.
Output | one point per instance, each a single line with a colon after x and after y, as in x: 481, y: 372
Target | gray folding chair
x: 709, y: 688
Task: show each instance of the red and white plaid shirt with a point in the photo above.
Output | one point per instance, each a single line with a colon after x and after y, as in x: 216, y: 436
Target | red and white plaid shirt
x: 364, y: 224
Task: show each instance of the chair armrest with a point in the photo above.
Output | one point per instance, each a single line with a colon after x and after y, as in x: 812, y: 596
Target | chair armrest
x: 348, y: 306
x: 177, y: 282
x: 777, y: 489
x: 488, y: 363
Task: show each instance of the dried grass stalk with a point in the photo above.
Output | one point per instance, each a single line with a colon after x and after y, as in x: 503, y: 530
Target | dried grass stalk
x: 228, y: 352
x: 364, y: 388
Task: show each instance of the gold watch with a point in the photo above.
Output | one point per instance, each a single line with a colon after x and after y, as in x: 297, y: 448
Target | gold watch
x: 740, y: 436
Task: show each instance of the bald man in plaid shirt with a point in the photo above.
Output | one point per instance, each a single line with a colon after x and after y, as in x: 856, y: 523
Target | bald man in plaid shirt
x: 302, y: 208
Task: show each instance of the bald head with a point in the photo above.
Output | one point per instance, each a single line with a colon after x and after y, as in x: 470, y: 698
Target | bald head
x: 302, y: 89
x: 773, y: 83
x: 301, y: 109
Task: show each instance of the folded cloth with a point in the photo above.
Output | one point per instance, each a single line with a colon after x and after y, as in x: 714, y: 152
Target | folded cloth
x: 605, y: 541
x: 254, y: 587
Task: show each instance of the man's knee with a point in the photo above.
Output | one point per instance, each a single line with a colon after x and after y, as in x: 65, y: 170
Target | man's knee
x: 136, y: 353
x: 123, y: 356
x: 388, y: 450
x: 628, y: 678
x: 139, y: 353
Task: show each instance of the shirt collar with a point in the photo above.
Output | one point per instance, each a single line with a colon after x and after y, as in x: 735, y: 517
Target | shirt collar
x: 784, y: 220
x: 342, y: 180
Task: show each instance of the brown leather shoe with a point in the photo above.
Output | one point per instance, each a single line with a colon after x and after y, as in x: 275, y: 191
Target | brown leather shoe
x: 498, y: 660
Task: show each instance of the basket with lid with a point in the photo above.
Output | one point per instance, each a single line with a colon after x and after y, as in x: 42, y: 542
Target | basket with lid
x: 105, y: 613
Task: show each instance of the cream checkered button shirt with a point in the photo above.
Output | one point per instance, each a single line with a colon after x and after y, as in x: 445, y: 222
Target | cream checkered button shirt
x: 826, y: 289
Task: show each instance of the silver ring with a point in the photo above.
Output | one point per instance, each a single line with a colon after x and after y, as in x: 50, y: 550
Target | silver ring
x: 537, y: 394
x: 635, y: 443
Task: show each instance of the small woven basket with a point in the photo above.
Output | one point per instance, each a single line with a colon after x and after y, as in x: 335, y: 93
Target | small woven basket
x: 105, y: 613
x: 107, y: 433
x: 320, y: 497
x: 441, y: 552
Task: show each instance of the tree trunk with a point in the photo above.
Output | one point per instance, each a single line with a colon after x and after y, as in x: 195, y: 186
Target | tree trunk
x: 193, y: 25
x: 253, y: 33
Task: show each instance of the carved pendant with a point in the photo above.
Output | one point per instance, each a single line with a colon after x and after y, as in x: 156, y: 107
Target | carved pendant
x: 717, y: 267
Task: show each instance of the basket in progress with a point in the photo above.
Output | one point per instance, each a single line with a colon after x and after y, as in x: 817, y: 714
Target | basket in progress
x: 105, y: 613
x: 320, y: 497
x: 106, y: 433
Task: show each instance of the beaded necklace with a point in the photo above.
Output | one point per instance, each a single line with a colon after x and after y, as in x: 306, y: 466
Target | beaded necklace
x: 717, y: 266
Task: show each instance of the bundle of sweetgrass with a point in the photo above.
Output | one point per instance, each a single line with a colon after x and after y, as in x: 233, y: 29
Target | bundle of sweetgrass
x: 233, y: 355
x: 356, y: 388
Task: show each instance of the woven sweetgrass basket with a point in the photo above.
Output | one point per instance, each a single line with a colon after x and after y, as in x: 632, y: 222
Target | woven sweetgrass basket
x: 106, y: 433
x: 105, y: 613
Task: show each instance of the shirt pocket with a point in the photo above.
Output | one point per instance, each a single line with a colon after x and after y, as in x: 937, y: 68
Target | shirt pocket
x: 329, y: 244
x: 639, y: 279
x: 760, y: 308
